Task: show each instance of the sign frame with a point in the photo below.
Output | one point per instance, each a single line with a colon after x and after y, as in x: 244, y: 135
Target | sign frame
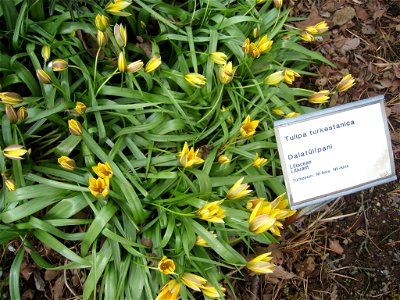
x: 324, y: 198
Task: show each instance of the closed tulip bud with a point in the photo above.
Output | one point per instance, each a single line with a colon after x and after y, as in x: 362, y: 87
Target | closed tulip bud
x: 59, y: 65
x: 115, y: 7
x: 347, y: 82
x: 11, y: 114
x: 261, y: 264
x: 224, y: 160
x: 120, y: 35
x: 246, y: 45
x: 102, y: 38
x: 43, y: 77
x: 10, y: 184
x: 14, y: 152
x: 256, y: 32
x: 102, y: 22
x: 278, y: 3
x: 261, y: 1
x: 45, y: 52
x: 219, y: 58
x: 278, y: 112
x: 212, y: 292
x: 121, y: 62
x: 152, y: 64
x: 10, y: 98
x: 274, y: 78
x: 22, y: 114
x: 193, y: 281
x: 75, y: 128
x: 80, y: 107
x: 292, y: 115
x: 135, y: 66
x: 195, y: 79
x: 319, y: 97
x: 67, y: 163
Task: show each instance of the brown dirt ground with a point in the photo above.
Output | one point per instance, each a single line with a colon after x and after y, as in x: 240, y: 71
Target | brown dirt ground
x: 350, y: 249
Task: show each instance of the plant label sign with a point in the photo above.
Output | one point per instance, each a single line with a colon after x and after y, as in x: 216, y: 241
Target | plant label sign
x: 335, y: 152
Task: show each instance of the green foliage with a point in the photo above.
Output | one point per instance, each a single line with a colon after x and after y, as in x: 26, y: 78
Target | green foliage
x: 138, y: 124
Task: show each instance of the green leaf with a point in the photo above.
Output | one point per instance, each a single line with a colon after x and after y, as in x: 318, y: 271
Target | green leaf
x: 105, y: 214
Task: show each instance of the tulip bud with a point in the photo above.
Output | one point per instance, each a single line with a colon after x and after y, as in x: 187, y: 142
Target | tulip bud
x: 246, y: 45
x: 102, y: 38
x: 102, y: 22
x: 278, y: 3
x: 46, y: 52
x: 43, y: 76
x: 120, y: 35
x: 121, y: 62
x: 219, y: 58
x: 195, y: 79
x: 11, y: 114
x: 14, y: 152
x: 75, y: 128
x: 22, y: 114
x: 152, y: 64
x: 224, y: 160
x: 80, y: 108
x: 256, y: 32
x: 10, y: 184
x: 347, y: 82
x: 67, y: 163
x: 115, y: 7
x: 59, y: 65
x: 10, y: 98
x: 135, y: 66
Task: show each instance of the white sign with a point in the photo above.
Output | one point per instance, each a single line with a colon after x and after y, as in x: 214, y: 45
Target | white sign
x: 335, y: 152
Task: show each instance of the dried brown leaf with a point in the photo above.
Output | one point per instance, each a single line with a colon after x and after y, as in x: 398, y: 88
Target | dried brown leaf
x: 279, y: 274
x: 361, y: 13
x: 276, y: 253
x: 58, y: 288
x: 344, y: 15
x: 305, y: 267
x: 313, y: 18
x: 350, y: 44
x: 379, y: 13
x: 368, y: 29
x: 39, y: 282
x: 25, y: 271
x: 334, y: 245
x: 49, y: 275
x: 28, y: 295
